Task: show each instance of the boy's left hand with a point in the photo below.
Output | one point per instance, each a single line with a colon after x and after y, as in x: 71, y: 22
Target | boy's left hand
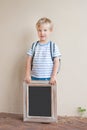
x: 53, y: 81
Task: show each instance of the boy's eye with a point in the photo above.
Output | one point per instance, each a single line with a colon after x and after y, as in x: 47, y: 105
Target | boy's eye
x: 39, y: 30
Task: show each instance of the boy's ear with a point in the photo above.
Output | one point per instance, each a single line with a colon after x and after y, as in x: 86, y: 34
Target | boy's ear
x: 51, y: 29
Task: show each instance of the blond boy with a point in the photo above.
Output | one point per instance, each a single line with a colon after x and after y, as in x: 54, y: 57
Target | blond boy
x: 44, y: 68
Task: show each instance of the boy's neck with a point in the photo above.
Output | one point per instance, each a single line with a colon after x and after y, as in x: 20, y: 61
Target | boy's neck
x: 43, y: 42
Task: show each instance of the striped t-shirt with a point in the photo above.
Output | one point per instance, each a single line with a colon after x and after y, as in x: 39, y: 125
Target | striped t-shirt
x: 42, y: 61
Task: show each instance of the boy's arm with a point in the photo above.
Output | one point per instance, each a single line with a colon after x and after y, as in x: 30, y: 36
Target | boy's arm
x: 54, y: 72
x: 28, y: 69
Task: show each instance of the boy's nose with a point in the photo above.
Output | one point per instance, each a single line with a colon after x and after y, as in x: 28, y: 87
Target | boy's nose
x: 42, y: 32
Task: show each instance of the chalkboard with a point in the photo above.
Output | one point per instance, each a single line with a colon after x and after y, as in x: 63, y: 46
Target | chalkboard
x: 39, y: 102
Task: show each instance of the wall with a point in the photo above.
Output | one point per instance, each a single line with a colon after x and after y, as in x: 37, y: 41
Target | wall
x: 17, y: 32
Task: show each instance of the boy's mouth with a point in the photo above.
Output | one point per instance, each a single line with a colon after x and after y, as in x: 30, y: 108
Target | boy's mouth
x: 42, y: 36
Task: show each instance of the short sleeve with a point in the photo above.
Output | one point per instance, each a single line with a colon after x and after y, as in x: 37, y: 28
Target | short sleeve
x: 56, y: 52
x: 30, y: 51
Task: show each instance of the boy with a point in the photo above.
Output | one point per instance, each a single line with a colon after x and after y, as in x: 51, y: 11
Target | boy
x: 44, y: 68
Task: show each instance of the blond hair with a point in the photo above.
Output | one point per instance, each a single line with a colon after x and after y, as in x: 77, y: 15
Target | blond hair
x: 44, y: 20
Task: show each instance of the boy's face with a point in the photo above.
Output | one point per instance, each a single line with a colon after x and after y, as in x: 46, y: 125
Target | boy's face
x: 44, y: 31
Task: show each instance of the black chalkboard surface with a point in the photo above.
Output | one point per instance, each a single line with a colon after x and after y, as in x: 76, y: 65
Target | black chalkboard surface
x: 39, y: 101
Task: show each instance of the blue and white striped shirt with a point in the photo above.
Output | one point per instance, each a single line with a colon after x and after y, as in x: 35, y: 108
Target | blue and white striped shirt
x: 42, y: 61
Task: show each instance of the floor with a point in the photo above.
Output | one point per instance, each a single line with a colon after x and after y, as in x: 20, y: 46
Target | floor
x: 15, y: 122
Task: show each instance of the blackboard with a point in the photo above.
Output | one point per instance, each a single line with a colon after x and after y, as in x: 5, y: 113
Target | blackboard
x: 39, y: 102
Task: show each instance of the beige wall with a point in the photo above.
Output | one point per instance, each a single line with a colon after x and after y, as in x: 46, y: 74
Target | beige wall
x: 17, y: 32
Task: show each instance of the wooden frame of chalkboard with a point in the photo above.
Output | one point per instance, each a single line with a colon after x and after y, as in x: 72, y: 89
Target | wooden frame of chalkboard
x: 39, y: 102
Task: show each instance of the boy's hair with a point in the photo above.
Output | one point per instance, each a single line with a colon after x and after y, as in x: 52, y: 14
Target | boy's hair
x: 44, y: 20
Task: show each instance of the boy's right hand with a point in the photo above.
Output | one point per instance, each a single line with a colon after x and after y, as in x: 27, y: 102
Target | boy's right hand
x: 27, y: 80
